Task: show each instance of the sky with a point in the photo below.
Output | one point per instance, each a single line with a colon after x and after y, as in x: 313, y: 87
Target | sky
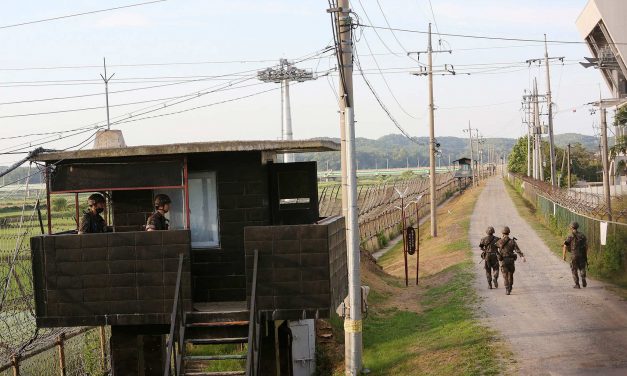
x: 175, y: 50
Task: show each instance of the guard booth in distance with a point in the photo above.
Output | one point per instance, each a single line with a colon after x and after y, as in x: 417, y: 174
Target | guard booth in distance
x: 463, y: 172
x: 247, y: 256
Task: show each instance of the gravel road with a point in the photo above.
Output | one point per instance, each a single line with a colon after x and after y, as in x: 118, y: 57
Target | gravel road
x: 552, y: 328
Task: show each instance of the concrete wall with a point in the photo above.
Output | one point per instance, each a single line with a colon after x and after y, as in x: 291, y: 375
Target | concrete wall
x: 218, y: 273
x: 302, y: 269
x: 108, y: 279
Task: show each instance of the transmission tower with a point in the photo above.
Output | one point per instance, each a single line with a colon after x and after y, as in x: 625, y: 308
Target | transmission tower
x: 284, y: 74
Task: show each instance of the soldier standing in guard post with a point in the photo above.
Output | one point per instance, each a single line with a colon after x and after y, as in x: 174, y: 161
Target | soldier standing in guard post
x: 157, y: 221
x: 508, y: 248
x: 92, y: 222
x: 490, y: 256
x: 577, y: 244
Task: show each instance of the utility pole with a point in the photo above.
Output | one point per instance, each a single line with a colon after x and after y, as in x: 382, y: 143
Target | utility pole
x: 568, y: 165
x: 106, y: 81
x: 469, y: 130
x: 432, y: 142
x: 527, y: 122
x: 344, y: 49
x: 604, y: 152
x: 538, y: 131
x: 549, y: 103
x: 432, y: 177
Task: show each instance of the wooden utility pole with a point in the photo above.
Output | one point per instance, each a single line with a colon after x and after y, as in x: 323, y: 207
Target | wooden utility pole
x: 432, y: 177
x: 549, y: 106
x: 568, y: 165
x: 352, y: 321
x: 472, y: 172
x: 604, y: 155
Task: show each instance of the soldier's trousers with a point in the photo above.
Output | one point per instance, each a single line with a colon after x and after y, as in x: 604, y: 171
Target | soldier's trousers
x: 578, y: 265
x: 508, y: 274
x: 491, y: 270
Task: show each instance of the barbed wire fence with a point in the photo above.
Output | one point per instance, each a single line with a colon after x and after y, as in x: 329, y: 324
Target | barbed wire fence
x: 24, y: 348
x: 379, y: 218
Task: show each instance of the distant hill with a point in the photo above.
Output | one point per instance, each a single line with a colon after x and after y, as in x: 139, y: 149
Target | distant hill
x: 589, y: 142
x: 396, y: 151
x: 20, y: 173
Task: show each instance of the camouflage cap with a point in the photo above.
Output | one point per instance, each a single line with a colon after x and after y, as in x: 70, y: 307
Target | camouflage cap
x: 574, y: 225
x: 505, y: 230
x: 489, y: 230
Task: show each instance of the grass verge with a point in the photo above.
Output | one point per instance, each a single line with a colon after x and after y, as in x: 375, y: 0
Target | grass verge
x: 430, y: 329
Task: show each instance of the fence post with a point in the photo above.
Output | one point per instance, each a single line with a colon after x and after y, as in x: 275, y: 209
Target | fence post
x: 60, y: 347
x: 103, y: 349
x: 15, y: 360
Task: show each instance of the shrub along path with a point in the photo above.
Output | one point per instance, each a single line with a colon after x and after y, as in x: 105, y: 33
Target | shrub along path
x: 553, y: 329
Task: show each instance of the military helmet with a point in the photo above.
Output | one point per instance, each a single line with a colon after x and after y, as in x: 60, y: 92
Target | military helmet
x: 574, y: 225
x: 505, y: 230
x: 95, y: 198
x: 489, y: 230
x: 161, y: 199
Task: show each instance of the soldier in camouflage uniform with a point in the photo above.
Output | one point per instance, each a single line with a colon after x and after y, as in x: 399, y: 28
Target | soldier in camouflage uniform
x: 577, y: 244
x: 490, y: 257
x: 157, y: 221
x: 92, y: 222
x: 508, y: 248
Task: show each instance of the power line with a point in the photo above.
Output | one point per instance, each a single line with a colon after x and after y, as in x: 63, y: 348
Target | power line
x: 484, y: 36
x: 113, y: 105
x: 376, y: 32
x: 386, y: 81
x: 433, y: 15
x: 388, y: 23
x: 80, y: 14
x: 381, y: 104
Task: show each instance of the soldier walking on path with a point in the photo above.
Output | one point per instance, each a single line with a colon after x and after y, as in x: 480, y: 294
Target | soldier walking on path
x: 508, y: 248
x: 577, y: 244
x: 490, y: 257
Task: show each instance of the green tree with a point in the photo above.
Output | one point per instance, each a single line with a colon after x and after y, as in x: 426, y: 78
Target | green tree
x: 517, y: 160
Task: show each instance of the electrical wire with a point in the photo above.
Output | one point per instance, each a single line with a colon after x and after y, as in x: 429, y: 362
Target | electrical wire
x: 391, y: 31
x: 381, y: 104
x: 485, y: 36
x: 80, y: 14
x: 386, y: 81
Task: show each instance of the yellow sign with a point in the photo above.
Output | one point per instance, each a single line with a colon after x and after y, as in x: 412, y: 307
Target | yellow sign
x: 352, y: 326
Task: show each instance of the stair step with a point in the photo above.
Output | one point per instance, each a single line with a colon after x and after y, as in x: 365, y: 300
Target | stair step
x: 217, y: 317
x: 217, y: 323
x: 216, y: 373
x: 212, y: 341
x: 214, y: 357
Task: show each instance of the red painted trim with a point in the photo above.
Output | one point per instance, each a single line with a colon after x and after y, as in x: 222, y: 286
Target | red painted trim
x: 186, y: 193
x: 78, y: 218
x: 120, y: 189
x: 48, y: 214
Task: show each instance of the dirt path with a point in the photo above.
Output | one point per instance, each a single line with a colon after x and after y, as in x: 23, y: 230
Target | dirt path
x: 553, y: 329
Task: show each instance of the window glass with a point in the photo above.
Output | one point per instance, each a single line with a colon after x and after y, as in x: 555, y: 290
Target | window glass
x: 176, y: 215
x: 203, y: 204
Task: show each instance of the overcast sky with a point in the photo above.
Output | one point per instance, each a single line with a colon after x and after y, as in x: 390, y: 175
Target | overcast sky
x: 248, y: 35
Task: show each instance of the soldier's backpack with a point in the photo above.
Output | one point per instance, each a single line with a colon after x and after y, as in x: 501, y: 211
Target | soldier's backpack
x: 580, y: 246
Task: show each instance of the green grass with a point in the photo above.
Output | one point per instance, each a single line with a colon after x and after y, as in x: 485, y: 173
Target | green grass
x: 445, y: 339
x: 220, y: 365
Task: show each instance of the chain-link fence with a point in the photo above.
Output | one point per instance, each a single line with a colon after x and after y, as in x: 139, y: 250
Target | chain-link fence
x: 607, y: 240
x: 25, y: 349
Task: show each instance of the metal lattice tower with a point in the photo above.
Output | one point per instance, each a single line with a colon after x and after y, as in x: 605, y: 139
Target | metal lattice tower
x: 284, y: 74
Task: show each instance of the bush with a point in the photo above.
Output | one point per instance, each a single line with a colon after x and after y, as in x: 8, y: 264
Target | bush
x: 59, y: 204
x: 382, y: 240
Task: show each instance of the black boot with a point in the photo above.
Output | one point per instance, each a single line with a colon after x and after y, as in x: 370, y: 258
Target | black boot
x: 490, y: 284
x: 577, y: 286
x: 496, y: 283
x: 583, y: 282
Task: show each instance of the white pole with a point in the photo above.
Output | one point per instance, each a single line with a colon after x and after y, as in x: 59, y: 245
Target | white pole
x: 432, y: 176
x: 353, y: 325
x: 287, y: 120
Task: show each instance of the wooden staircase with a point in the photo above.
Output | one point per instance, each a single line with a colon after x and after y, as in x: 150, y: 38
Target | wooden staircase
x: 217, y: 333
